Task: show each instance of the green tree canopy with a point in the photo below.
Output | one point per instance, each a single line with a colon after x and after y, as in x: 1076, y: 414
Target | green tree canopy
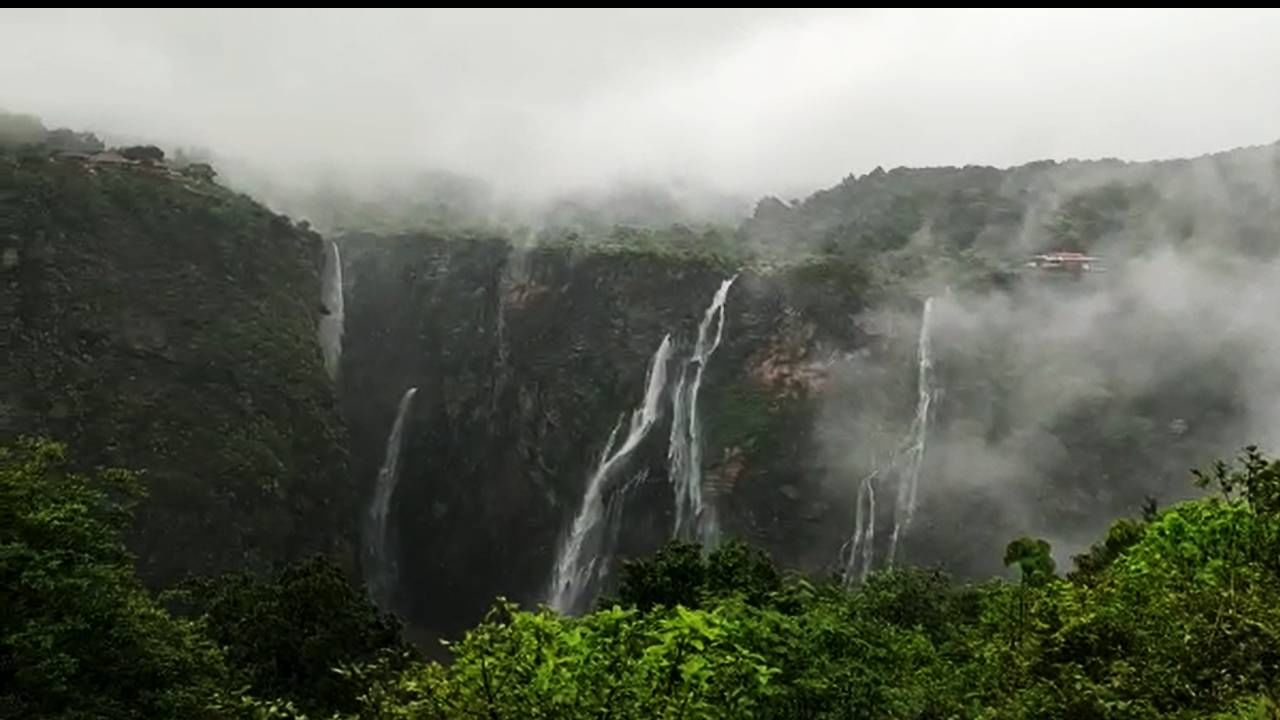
x: 79, y: 636
x: 286, y: 635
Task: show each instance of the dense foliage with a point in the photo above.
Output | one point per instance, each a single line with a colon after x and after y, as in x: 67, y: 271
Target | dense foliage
x: 1173, y: 614
x: 1176, y: 614
x: 79, y: 637
x: 285, y: 635
x: 166, y: 324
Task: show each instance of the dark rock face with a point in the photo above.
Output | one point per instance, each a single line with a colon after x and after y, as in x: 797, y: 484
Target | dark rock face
x: 158, y: 326
x: 525, y: 360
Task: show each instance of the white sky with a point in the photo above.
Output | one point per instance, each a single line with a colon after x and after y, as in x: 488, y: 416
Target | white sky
x: 750, y: 101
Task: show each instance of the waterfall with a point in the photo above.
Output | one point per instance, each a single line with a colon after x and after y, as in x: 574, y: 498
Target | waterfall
x: 678, y: 457
x: 864, y: 530
x: 380, y: 568
x: 580, y: 559
x: 685, y: 450
x: 868, y: 549
x: 902, y: 468
x: 330, y: 329
x: 905, y: 509
x: 615, y: 506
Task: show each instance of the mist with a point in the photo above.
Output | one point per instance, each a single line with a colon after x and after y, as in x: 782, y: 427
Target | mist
x: 572, y: 117
x: 1066, y: 403
x: 746, y: 102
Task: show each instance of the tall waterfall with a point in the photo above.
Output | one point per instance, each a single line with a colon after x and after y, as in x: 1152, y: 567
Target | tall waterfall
x: 684, y: 454
x: 581, y: 559
x: 330, y: 329
x: 902, y: 467
x: 380, y: 567
x: 905, y: 509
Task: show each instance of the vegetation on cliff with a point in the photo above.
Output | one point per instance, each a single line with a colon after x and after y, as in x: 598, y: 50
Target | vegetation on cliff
x: 156, y: 320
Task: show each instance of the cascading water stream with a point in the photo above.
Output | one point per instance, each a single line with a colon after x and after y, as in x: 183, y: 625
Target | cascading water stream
x: 684, y: 454
x: 381, y: 572
x: 864, y: 529
x: 678, y: 455
x: 580, y: 557
x: 905, y: 509
x: 331, y: 323
x: 903, y: 468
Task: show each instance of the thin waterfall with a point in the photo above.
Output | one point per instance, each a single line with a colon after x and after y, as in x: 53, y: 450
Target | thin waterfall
x: 580, y: 557
x: 685, y: 450
x: 905, y: 509
x: 901, y: 471
x: 330, y: 329
x: 381, y: 572
x: 859, y: 545
x: 868, y: 548
x: 678, y: 457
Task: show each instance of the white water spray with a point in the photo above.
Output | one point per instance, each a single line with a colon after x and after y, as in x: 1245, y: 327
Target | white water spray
x: 330, y: 328
x: 381, y: 572
x: 580, y: 559
x: 685, y: 450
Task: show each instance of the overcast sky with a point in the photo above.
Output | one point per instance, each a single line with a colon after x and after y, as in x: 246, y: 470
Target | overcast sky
x: 748, y: 100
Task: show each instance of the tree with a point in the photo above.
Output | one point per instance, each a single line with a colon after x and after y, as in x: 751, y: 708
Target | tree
x: 1122, y: 535
x: 68, y: 140
x: 143, y: 153
x: 679, y: 574
x: 611, y: 664
x: 79, y: 636
x: 203, y: 172
x: 18, y: 129
x: 287, y: 635
x: 1257, y: 480
x: 1033, y: 558
x: 736, y: 568
x: 1035, y: 563
x: 674, y: 576
x: 912, y: 598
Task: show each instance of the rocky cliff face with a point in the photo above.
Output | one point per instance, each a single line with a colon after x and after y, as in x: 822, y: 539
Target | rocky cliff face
x: 165, y: 324
x: 1060, y: 404
x: 526, y: 359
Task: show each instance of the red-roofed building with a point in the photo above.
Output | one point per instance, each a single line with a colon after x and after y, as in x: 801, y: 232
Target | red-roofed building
x: 1064, y: 261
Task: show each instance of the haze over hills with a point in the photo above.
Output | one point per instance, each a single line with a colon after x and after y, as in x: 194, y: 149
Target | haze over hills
x: 525, y: 341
